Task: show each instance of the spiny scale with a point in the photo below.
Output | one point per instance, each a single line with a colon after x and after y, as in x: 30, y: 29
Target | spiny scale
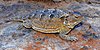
x: 42, y: 14
x: 47, y: 13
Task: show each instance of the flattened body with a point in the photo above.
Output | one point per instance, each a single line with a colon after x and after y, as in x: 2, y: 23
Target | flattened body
x: 47, y: 26
x: 47, y: 21
x: 50, y: 20
x: 53, y: 21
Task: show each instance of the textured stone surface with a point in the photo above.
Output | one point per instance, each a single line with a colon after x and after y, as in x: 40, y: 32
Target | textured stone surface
x: 13, y: 36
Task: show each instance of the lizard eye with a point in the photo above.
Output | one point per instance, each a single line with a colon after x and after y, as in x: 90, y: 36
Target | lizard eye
x: 65, y: 21
x: 66, y: 16
x: 76, y: 16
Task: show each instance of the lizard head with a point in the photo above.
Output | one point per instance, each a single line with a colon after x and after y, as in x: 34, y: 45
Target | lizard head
x: 70, y: 20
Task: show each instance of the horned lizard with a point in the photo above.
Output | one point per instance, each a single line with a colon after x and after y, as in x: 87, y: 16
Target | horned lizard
x: 52, y: 21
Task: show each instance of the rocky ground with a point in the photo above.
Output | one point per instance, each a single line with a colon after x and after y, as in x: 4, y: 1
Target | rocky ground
x: 13, y: 36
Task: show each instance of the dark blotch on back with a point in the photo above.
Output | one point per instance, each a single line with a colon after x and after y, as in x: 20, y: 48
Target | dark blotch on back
x: 51, y: 16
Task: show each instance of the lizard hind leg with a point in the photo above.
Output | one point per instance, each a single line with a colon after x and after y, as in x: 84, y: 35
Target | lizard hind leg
x: 67, y: 37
